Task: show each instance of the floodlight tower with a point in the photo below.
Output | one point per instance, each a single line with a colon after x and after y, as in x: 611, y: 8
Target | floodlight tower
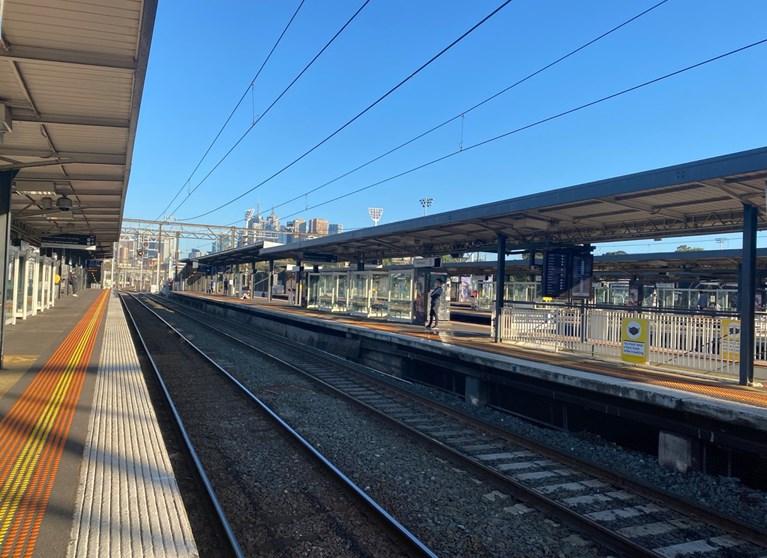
x: 375, y: 214
x: 426, y: 204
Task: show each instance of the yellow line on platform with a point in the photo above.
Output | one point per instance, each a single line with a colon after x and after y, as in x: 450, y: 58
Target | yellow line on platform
x: 15, y: 484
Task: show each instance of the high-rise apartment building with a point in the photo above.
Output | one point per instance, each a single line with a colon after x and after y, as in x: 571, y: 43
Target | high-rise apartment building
x: 318, y: 227
x: 335, y: 228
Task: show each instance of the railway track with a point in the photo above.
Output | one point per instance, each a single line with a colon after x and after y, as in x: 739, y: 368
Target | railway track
x: 623, y: 515
x: 274, y: 493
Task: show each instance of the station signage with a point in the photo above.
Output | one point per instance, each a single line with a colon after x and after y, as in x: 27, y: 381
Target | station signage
x: 69, y: 241
x: 635, y: 346
x: 82, y: 239
x: 730, y: 342
x: 427, y: 262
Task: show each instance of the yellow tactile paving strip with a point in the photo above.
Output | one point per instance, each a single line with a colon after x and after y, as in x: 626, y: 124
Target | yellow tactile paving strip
x: 711, y: 388
x: 33, y: 434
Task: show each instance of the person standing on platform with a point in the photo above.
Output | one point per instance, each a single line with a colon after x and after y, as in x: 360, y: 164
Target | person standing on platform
x: 435, y: 297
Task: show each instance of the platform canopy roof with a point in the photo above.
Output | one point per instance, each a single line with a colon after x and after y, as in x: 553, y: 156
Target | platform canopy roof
x: 233, y: 256
x: 71, y: 78
x: 701, y: 264
x: 699, y: 197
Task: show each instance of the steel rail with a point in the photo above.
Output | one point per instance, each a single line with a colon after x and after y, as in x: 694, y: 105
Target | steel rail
x: 750, y: 533
x: 608, y: 538
x: 398, y: 528
x: 211, y: 493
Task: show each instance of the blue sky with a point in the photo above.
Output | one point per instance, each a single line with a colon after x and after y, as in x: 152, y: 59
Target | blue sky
x: 205, y: 53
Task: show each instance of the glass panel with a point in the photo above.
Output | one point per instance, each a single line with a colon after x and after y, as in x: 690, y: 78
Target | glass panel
x: 401, y: 295
x: 379, y: 295
x: 9, y: 279
x: 20, y: 283
x: 312, y: 297
x: 326, y: 291
x: 444, y: 307
x: 358, y: 303
x: 619, y: 294
x: 486, y: 295
x: 30, y: 289
x: 342, y: 284
x: 40, y: 282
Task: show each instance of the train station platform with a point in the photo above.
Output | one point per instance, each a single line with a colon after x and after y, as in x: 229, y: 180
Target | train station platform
x: 83, y: 467
x: 470, y: 345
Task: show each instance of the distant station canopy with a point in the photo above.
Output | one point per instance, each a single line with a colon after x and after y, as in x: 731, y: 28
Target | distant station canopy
x: 700, y: 197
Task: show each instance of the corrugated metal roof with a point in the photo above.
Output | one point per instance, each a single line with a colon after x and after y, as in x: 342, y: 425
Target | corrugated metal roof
x: 72, y: 73
x: 700, y: 197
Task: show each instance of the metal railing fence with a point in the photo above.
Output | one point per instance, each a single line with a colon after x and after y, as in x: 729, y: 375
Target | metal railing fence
x: 677, y: 340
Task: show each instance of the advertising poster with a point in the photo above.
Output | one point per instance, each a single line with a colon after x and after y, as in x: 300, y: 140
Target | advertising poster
x: 635, y: 346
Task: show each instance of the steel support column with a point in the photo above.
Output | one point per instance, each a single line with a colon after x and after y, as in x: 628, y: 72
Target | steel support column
x: 747, y: 294
x: 299, y: 281
x: 252, y: 287
x: 500, y: 280
x: 159, y: 258
x: 270, y: 281
x: 6, y: 179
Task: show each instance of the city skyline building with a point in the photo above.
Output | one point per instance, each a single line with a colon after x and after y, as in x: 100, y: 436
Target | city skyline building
x: 318, y: 227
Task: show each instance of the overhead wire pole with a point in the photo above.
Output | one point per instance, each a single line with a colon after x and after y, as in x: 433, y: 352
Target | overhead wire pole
x: 273, y: 103
x: 474, y: 107
x: 532, y: 125
x: 231, y: 114
x: 364, y: 111
x: 159, y: 257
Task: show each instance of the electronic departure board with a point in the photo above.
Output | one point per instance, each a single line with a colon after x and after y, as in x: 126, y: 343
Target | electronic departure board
x: 556, y: 268
x: 567, y: 270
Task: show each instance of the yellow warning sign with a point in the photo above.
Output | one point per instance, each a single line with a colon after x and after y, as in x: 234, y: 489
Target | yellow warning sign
x: 635, y: 346
x: 730, y: 339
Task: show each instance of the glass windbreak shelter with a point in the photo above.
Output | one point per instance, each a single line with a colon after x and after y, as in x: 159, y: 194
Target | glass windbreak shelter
x: 29, y: 284
x: 385, y: 295
x: 513, y: 291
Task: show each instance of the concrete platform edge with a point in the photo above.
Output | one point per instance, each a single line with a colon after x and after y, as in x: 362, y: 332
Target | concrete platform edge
x: 677, y: 400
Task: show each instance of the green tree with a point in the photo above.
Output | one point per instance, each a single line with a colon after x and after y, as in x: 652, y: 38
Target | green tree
x: 686, y: 248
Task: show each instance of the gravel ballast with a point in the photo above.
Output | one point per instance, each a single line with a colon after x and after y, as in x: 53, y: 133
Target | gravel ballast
x: 278, y: 500
x: 727, y: 495
x: 455, y: 513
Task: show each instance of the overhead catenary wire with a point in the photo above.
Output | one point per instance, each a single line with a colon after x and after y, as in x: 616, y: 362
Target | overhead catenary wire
x: 534, y: 124
x: 338, y: 130
x: 250, y: 88
x: 269, y: 108
x: 464, y: 112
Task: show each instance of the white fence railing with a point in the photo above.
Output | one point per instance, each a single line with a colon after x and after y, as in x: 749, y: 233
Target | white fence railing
x: 690, y: 341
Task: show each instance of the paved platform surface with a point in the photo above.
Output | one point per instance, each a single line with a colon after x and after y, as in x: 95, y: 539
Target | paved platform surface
x: 128, y: 503
x: 28, y: 343
x: 41, y: 423
x: 571, y: 369
x: 46, y: 422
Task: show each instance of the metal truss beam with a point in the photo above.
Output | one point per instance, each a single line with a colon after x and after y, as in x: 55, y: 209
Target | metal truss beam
x: 21, y: 115
x: 64, y: 157
x: 22, y: 53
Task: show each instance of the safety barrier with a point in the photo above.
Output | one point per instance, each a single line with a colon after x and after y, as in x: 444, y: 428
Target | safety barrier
x: 690, y: 341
